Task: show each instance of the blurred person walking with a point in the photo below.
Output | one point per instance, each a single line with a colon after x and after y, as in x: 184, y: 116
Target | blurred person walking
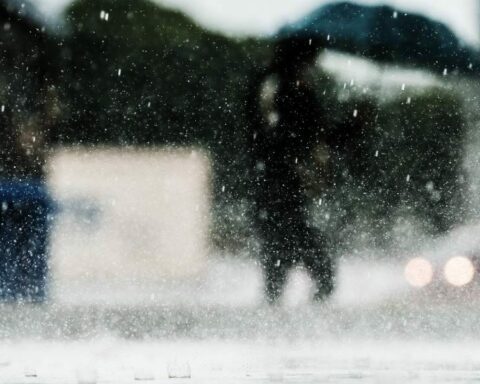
x: 25, y: 204
x: 288, y: 126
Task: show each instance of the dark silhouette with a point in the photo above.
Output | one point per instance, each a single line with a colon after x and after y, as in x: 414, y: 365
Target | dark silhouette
x: 288, y: 125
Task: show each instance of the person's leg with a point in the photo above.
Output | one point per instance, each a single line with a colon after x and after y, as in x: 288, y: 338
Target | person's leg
x: 323, y: 272
x: 318, y: 263
x: 275, y: 258
x: 278, y: 244
x: 275, y: 270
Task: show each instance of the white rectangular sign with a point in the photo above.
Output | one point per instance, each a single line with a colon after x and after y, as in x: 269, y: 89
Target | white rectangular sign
x: 129, y: 215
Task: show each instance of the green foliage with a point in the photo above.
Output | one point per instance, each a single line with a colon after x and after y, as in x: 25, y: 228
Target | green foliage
x: 396, y: 159
x: 150, y: 76
x: 179, y: 84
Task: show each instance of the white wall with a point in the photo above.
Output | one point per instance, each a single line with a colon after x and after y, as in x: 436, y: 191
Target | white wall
x: 129, y: 215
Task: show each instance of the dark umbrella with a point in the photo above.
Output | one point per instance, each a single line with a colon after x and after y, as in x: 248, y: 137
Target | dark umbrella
x: 381, y: 33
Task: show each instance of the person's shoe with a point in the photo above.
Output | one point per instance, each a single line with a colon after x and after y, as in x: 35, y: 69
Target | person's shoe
x: 324, y: 289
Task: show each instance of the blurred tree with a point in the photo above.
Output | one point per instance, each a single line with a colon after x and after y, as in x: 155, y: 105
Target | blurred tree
x: 134, y: 73
x: 139, y: 74
x: 23, y: 92
x: 397, y: 158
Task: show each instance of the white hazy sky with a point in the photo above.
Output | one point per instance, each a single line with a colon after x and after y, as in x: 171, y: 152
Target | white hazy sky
x: 265, y: 16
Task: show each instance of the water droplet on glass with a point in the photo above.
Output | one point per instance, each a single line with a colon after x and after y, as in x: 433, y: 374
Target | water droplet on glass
x: 86, y: 375
x: 179, y: 370
x: 30, y: 372
x: 144, y: 374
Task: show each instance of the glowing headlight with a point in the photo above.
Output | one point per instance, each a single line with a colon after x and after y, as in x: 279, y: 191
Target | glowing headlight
x: 459, y: 271
x: 419, y: 272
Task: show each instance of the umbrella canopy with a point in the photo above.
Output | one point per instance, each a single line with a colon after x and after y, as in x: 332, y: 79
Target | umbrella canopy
x: 384, y: 34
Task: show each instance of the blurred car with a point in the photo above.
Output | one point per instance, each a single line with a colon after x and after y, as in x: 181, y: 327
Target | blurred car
x: 453, y: 262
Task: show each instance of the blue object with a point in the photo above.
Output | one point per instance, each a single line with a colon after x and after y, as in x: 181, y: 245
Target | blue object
x: 26, y: 212
x: 384, y: 34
